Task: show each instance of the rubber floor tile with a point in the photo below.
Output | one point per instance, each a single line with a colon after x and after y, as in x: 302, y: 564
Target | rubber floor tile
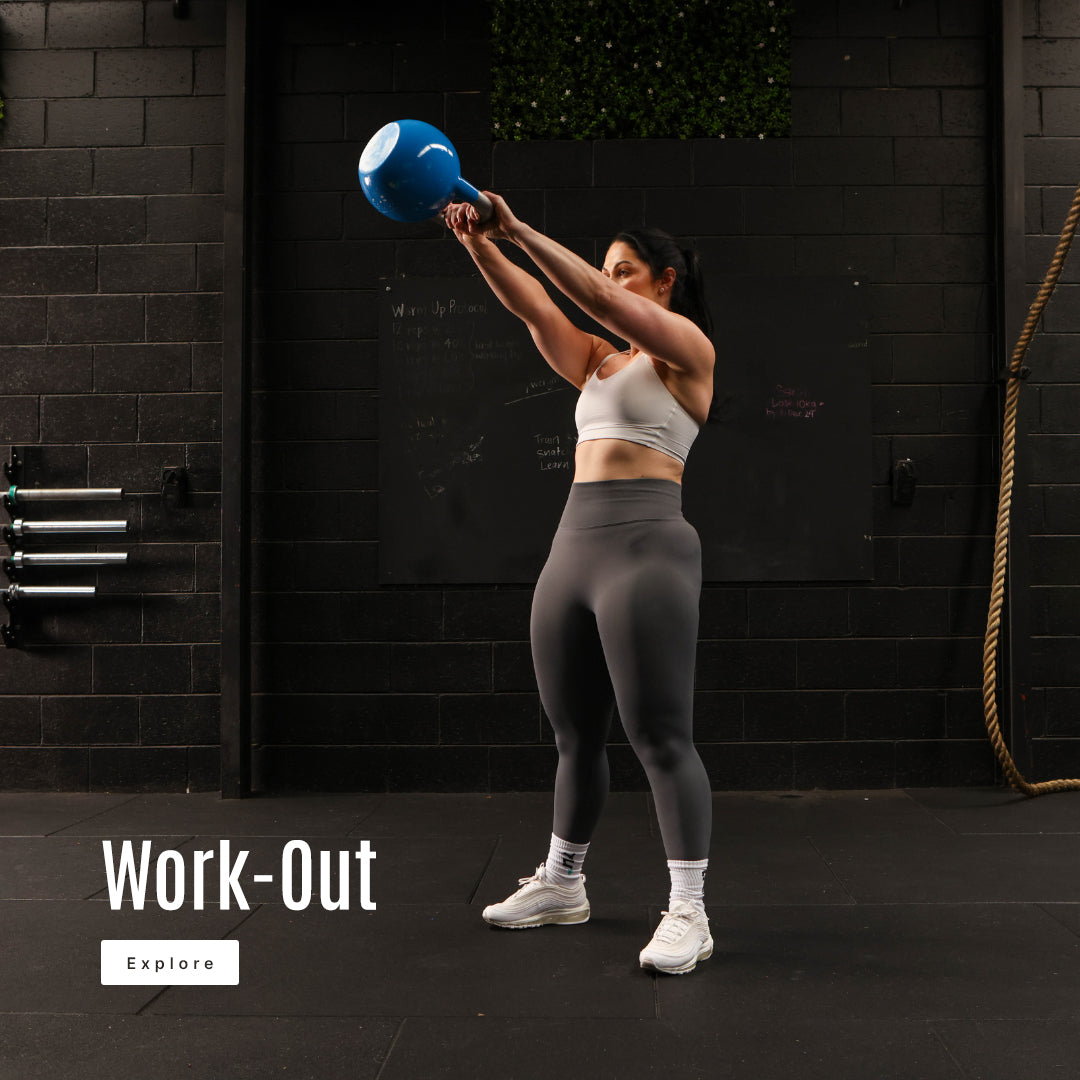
x: 52, y: 951
x: 206, y: 813
x: 42, y: 1047
x: 57, y: 867
x: 821, y: 813
x: 435, y: 961
x: 785, y: 870
x: 956, y: 869
x: 1066, y: 914
x: 808, y: 979
x: 485, y: 1047
x: 44, y: 813
x: 1001, y: 810
x: 876, y: 962
x: 1014, y: 1049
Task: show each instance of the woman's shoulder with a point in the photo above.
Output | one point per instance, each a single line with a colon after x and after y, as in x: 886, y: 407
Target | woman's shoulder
x: 602, y: 352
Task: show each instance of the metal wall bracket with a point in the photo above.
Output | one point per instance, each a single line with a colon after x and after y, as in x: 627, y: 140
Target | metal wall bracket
x: 10, y: 630
x: 904, y: 479
x: 1022, y: 373
x: 13, y: 466
x: 174, y: 486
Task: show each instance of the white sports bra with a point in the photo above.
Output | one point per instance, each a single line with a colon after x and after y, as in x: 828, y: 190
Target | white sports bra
x: 636, y: 406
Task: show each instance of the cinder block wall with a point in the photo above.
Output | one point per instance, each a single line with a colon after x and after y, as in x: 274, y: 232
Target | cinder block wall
x: 110, y: 357
x: 364, y: 687
x: 1051, y: 411
x: 798, y: 686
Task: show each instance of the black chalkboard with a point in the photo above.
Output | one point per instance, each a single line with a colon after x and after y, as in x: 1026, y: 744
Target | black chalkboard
x: 477, y: 436
x: 780, y: 489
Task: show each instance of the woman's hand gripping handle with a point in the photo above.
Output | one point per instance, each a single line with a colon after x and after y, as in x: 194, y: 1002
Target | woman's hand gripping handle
x: 469, y: 222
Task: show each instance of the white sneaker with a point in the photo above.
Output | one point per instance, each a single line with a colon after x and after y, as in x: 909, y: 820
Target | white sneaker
x: 538, y: 902
x: 680, y: 941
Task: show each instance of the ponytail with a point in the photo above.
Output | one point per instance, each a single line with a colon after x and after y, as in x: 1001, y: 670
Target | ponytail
x: 696, y: 304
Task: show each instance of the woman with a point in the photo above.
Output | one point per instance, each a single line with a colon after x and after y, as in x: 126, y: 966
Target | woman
x: 615, y: 611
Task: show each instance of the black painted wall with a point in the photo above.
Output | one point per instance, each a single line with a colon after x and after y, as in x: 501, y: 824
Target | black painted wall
x: 110, y: 216
x: 1052, y: 407
x: 110, y: 357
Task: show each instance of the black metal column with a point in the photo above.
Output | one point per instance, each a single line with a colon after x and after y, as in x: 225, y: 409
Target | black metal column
x: 1012, y: 305
x: 236, y: 419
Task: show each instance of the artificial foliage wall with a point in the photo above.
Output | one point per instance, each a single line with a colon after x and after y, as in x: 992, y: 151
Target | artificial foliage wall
x: 587, y: 69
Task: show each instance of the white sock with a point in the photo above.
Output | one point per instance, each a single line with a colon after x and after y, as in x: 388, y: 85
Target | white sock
x: 564, y: 861
x: 688, y: 881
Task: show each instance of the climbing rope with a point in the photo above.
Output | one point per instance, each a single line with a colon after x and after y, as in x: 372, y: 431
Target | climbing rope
x: 1016, y: 374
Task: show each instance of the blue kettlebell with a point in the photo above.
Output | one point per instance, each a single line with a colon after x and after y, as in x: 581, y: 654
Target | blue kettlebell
x: 409, y: 171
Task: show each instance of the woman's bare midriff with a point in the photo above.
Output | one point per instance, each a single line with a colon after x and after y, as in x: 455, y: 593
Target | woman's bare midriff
x: 616, y: 459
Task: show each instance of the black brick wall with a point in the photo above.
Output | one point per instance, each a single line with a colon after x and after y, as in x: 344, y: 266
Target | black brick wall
x: 110, y: 214
x: 885, y: 176
x: 1051, y: 414
x: 110, y: 219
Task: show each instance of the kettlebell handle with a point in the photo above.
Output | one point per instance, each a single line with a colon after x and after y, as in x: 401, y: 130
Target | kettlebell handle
x: 486, y: 208
x: 467, y: 193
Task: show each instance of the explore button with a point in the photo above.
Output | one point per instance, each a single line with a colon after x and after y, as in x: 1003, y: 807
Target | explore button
x: 165, y: 962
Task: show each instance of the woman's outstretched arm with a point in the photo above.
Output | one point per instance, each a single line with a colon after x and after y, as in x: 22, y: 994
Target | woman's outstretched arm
x: 652, y: 328
x: 569, y: 350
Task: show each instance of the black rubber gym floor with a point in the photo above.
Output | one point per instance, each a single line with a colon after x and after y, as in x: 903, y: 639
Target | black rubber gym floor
x: 922, y: 934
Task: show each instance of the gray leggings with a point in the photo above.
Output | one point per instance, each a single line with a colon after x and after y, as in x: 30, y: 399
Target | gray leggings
x: 614, y: 620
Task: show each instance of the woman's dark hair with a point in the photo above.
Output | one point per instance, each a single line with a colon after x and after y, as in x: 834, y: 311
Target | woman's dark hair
x: 660, y: 251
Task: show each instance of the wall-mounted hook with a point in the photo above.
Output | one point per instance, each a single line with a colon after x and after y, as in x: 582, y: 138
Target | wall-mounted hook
x: 174, y: 486
x: 1023, y: 372
x: 10, y: 630
x: 13, y: 466
x: 904, y: 478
